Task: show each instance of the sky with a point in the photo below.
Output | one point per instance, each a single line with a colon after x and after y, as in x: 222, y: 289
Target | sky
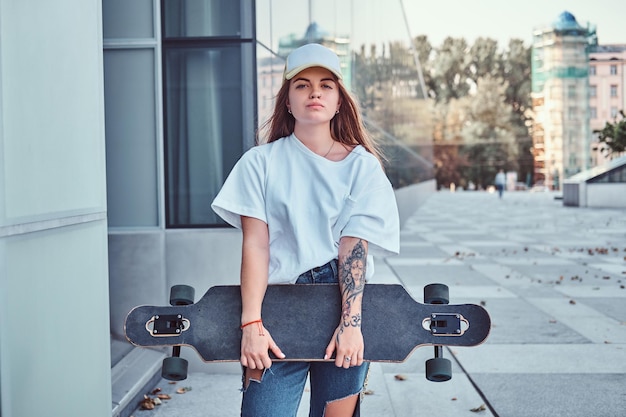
x: 376, y: 21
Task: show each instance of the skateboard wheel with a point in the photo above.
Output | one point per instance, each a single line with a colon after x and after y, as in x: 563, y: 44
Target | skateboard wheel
x: 174, y: 368
x: 436, y: 294
x: 182, y: 295
x: 438, y: 369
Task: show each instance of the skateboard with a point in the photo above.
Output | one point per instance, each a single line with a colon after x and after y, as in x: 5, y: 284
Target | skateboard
x: 393, y: 324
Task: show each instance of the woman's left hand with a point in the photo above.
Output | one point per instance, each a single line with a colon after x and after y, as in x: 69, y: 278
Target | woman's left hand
x: 347, y: 344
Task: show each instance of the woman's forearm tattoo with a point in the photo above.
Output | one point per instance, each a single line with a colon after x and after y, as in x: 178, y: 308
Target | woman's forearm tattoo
x: 352, y: 283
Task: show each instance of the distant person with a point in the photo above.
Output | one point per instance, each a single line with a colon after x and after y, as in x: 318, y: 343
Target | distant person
x: 500, y: 182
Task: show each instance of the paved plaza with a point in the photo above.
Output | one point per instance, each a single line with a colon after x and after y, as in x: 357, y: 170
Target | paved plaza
x: 553, y: 279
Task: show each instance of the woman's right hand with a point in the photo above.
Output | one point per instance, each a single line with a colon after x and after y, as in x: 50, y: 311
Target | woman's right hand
x: 256, y: 342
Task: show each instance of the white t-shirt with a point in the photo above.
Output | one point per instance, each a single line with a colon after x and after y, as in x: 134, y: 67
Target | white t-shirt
x: 309, y: 203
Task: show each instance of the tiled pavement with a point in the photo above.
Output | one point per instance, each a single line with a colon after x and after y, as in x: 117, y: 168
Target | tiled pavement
x: 551, y: 277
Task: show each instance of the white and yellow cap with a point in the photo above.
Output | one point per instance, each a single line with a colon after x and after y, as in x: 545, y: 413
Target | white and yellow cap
x: 311, y: 55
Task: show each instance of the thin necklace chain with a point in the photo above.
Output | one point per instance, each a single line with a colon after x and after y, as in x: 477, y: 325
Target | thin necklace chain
x: 331, y: 148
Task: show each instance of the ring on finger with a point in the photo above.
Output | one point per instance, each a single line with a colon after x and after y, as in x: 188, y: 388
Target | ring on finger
x: 348, y: 359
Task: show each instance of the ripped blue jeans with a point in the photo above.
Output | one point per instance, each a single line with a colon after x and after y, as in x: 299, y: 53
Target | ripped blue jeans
x: 279, y: 392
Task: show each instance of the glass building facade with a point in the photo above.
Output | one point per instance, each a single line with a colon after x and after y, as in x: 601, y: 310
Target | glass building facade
x: 187, y: 83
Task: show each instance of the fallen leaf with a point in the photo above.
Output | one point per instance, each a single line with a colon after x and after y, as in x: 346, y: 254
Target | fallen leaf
x: 164, y: 397
x: 453, y: 399
x: 478, y: 409
x: 400, y: 377
x: 146, y: 403
x: 156, y: 391
x: 572, y: 302
x: 368, y: 392
x: 183, y: 390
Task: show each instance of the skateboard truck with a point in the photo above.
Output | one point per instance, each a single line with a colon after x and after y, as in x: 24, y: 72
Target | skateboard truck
x: 175, y: 368
x: 439, y: 369
x: 167, y: 325
x: 446, y: 324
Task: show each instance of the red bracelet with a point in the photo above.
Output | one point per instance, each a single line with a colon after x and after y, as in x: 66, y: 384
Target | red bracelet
x: 251, y: 322
x: 259, y: 322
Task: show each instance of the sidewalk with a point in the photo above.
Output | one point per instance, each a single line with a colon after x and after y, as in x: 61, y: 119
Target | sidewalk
x: 553, y: 279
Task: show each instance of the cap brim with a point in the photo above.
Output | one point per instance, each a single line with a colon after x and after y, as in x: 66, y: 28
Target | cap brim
x: 309, y: 56
x: 289, y: 75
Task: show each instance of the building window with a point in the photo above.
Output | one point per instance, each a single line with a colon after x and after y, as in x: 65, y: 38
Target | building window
x: 613, y: 90
x: 614, y: 112
x: 571, y: 113
x: 592, y: 70
x: 593, y: 112
x: 208, y: 103
x: 593, y: 91
x: 571, y: 91
x: 613, y: 69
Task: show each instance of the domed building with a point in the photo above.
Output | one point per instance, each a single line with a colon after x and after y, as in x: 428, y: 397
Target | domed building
x: 560, y: 91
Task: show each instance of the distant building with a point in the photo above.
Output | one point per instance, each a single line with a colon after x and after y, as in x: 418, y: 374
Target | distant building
x: 560, y: 92
x: 607, y: 90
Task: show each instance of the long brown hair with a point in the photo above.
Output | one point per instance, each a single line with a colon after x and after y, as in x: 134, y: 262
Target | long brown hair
x: 346, y: 127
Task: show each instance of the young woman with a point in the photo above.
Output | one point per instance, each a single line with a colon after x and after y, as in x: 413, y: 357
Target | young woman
x: 314, y: 205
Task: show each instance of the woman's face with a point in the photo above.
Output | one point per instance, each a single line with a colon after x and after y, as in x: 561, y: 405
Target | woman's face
x: 356, y: 269
x: 313, y: 96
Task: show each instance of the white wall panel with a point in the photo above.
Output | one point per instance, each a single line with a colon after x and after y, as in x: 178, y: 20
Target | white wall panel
x: 54, y: 316
x: 52, y: 109
x: 54, y: 337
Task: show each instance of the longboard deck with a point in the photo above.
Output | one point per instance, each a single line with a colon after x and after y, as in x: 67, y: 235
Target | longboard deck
x: 303, y: 318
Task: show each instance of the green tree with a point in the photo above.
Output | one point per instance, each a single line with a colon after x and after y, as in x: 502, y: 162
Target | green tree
x: 449, y: 70
x: 612, y: 138
x: 484, y: 59
x: 424, y: 54
x: 516, y: 70
x: 464, y: 135
x: 447, y: 83
x: 489, y: 141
